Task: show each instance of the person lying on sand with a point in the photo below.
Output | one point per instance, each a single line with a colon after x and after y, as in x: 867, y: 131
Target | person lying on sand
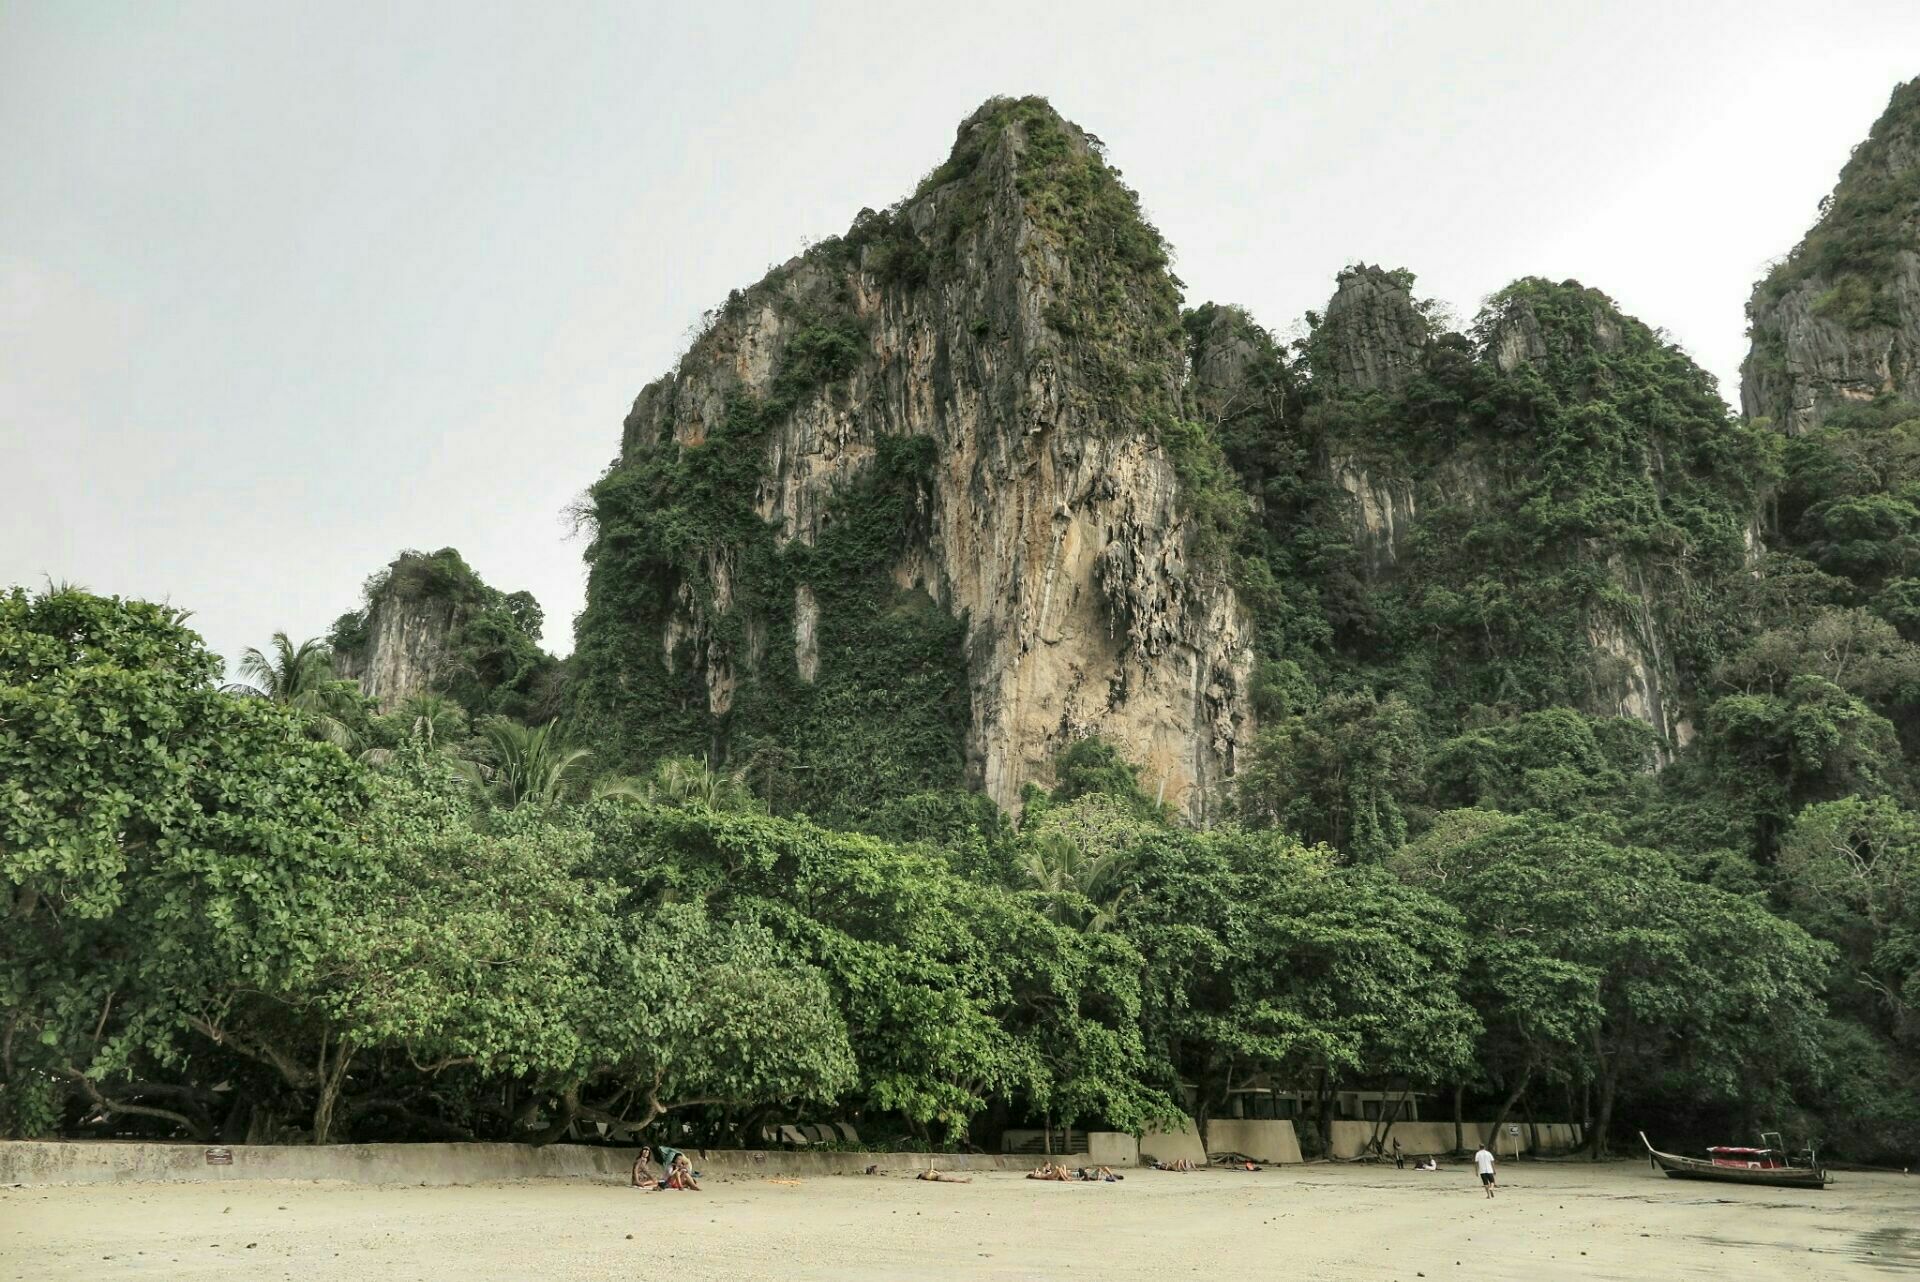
x: 1048, y: 1171
x: 1099, y: 1174
x: 1177, y: 1164
x: 941, y: 1177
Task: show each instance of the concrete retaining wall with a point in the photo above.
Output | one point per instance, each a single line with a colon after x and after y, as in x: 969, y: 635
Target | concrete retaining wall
x: 31, y: 1162
x: 1350, y: 1139
x: 1263, y: 1140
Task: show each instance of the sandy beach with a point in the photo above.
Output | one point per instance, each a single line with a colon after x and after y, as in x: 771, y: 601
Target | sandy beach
x: 1550, y: 1221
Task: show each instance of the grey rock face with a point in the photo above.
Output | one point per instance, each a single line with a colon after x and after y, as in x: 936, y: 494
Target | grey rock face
x: 406, y: 648
x: 1803, y: 364
x: 1373, y: 333
x: 1056, y: 528
x: 1838, y: 321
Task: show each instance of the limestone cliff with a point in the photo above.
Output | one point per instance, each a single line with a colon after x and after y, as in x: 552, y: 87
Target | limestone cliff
x: 1495, y: 485
x: 1838, y: 321
x: 967, y: 409
x: 429, y: 624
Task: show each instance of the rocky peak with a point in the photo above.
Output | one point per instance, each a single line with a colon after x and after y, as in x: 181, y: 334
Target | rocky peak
x: 1838, y: 320
x: 995, y: 363
x: 1373, y: 333
x: 428, y: 623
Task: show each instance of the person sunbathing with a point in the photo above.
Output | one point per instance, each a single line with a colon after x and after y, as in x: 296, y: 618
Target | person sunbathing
x: 1100, y: 1174
x: 1177, y: 1164
x: 1048, y: 1171
x: 941, y: 1177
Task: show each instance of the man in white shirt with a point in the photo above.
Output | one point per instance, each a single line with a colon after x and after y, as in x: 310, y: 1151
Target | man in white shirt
x: 1483, y: 1163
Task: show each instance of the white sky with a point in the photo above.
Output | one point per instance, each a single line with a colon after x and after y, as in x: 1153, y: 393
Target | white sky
x: 285, y: 288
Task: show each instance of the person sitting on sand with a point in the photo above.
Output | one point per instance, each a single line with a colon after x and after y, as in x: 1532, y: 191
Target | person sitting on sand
x: 1048, y: 1171
x: 643, y: 1177
x: 942, y: 1177
x: 1428, y: 1163
x: 681, y: 1175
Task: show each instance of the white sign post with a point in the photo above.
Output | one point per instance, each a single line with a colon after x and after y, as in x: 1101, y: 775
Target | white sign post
x: 1513, y: 1133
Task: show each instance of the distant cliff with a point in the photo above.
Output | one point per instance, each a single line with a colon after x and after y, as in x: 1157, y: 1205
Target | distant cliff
x: 915, y: 509
x: 429, y: 624
x: 1838, y: 321
x: 947, y: 494
x: 1523, y: 515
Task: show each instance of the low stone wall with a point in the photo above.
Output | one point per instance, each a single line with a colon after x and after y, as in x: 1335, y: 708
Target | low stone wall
x: 31, y: 1162
x: 1350, y: 1139
x: 1262, y: 1139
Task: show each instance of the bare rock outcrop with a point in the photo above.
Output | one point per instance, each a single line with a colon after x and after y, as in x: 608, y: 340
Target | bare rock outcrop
x: 1838, y: 321
x: 428, y: 624
x: 1031, y: 334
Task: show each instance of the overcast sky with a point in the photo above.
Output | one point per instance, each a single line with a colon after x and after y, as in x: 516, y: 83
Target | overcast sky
x: 286, y: 288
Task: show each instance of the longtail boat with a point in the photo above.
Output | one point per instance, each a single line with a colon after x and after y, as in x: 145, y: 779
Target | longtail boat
x: 1769, y: 1167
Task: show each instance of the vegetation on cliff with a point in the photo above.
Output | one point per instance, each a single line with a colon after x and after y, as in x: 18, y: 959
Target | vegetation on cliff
x: 489, y: 660
x: 1868, y: 221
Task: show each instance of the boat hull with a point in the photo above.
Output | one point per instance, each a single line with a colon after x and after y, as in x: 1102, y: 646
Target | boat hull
x: 1774, y: 1177
x: 1789, y: 1178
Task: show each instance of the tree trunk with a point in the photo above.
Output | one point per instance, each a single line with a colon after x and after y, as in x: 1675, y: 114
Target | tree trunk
x: 569, y: 1109
x: 1608, y: 1081
x: 1533, y: 1127
x: 1459, y: 1096
x: 1325, y: 1101
x: 1384, y: 1126
x: 1513, y: 1096
x: 331, y: 1080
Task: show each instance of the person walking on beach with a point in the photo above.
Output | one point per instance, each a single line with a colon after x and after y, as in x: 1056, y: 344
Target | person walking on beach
x: 1483, y: 1163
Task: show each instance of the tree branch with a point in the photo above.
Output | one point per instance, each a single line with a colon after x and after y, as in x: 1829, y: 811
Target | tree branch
x: 198, y: 1129
x: 295, y: 1073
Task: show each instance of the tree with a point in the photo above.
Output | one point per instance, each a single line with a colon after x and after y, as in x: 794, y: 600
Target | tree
x: 528, y: 763
x: 1852, y: 869
x: 1337, y: 774
x: 1600, y: 961
x: 301, y: 677
x: 1265, y: 957
x: 159, y: 840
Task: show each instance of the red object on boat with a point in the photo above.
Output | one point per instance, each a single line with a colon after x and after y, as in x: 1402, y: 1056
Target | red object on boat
x: 1748, y: 1159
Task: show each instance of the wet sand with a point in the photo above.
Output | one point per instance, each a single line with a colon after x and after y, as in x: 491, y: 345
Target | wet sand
x: 1550, y: 1221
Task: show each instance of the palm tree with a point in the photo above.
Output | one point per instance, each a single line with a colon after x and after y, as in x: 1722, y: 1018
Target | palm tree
x: 301, y: 677
x: 528, y: 764
x: 1081, y: 890
x: 686, y: 781
x: 434, y: 719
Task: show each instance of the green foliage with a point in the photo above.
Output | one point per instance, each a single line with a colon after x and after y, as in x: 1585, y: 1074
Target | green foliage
x: 158, y: 838
x: 1262, y: 955
x: 1598, y: 962
x: 1864, y: 225
x: 884, y: 710
x: 1338, y: 774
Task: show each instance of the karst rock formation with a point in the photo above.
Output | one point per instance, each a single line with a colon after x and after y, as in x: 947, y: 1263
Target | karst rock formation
x: 1837, y: 322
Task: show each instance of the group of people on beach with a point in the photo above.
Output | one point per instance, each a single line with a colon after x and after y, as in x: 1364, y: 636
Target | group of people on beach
x: 676, y: 1171
x: 1067, y: 1174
